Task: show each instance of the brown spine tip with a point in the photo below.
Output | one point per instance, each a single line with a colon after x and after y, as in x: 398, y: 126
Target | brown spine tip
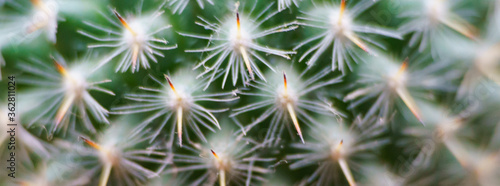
x: 284, y: 79
x: 91, y: 143
x: 59, y: 67
x: 403, y: 66
x: 238, y: 20
x: 124, y: 23
x: 342, y: 10
x: 337, y: 149
x: 215, y: 154
x: 237, y: 5
x: 36, y: 2
x: 169, y: 82
x: 119, y: 17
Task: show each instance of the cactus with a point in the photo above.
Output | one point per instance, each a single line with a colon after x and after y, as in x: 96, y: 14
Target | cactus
x: 255, y: 92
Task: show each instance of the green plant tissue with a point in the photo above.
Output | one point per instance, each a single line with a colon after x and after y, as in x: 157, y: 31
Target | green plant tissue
x: 250, y: 92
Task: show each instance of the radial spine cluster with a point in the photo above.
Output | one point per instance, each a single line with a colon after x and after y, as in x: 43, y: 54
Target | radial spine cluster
x: 254, y: 92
